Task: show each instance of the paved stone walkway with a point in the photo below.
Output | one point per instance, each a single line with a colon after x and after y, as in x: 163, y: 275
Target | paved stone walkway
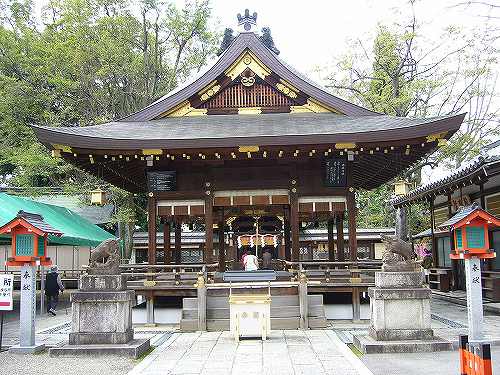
x: 54, y: 331
x: 298, y: 352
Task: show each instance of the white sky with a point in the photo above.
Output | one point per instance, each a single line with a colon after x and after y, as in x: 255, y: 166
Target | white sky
x: 309, y: 34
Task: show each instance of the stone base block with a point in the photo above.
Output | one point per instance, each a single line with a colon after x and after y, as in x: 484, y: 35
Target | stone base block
x: 369, y: 345
x: 401, y: 334
x: 88, y: 338
x: 400, y: 310
x: 133, y: 349
x: 17, y: 349
x: 102, y: 317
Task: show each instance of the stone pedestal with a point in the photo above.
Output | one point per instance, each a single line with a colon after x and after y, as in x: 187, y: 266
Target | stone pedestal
x: 102, y: 319
x: 102, y: 311
x: 400, y: 316
x: 400, y: 307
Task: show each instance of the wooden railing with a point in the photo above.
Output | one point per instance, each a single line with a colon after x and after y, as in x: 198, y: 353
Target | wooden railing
x: 350, y: 272
x: 151, y: 276
x: 185, y: 275
x: 66, y: 275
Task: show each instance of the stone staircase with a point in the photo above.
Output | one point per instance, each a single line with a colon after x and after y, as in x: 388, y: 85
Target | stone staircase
x: 285, y: 313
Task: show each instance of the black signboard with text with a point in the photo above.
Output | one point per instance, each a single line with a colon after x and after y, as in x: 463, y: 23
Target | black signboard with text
x: 336, y: 172
x: 161, y: 181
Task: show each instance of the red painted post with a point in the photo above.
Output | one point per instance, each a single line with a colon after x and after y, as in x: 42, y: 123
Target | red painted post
x: 485, y: 354
x: 462, y: 352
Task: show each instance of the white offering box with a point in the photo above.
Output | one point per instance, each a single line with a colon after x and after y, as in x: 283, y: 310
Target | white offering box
x: 250, y: 315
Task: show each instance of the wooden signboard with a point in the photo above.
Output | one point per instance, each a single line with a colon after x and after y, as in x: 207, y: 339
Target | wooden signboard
x: 162, y: 181
x: 336, y: 172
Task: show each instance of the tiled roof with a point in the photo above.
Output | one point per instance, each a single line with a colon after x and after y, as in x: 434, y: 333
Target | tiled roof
x: 37, y: 221
x: 235, y: 130
x: 477, y: 166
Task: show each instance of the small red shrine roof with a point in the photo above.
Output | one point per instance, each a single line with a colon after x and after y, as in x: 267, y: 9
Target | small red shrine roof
x: 31, y: 221
x: 466, y: 214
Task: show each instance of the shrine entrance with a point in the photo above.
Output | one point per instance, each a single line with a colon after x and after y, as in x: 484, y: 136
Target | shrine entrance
x: 256, y: 234
x: 255, y: 221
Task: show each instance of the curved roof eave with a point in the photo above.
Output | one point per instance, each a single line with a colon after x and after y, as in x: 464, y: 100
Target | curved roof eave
x: 242, y: 42
x: 89, y: 137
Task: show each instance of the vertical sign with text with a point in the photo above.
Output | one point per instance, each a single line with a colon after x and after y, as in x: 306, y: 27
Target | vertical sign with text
x: 474, y: 298
x: 28, y: 305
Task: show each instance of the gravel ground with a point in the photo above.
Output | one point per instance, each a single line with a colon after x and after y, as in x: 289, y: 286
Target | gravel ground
x: 42, y: 364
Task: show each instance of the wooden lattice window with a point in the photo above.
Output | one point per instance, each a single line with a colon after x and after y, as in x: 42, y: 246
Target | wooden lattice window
x: 493, y: 205
x: 459, y: 238
x: 41, y: 246
x: 440, y: 216
x: 475, y: 237
x: 239, y: 96
x: 24, y: 245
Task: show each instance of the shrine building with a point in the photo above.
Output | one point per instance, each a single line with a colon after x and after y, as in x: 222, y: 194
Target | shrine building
x: 250, y: 151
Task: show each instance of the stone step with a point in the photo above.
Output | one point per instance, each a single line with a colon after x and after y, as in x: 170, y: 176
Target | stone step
x: 276, y: 312
x: 276, y: 301
x: 223, y: 313
x: 190, y: 325
x: 317, y: 322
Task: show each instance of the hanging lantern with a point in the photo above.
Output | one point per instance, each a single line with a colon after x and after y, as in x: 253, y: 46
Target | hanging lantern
x: 401, y: 187
x: 98, y: 196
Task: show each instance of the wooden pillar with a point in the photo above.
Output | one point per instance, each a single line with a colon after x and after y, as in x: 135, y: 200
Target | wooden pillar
x: 339, y: 218
x: 482, y: 200
x: 488, y: 263
x: 294, y: 226
x: 402, y: 223
x: 209, y: 228
x: 351, y: 217
x: 286, y: 234
x: 454, y: 262
x: 222, y: 255
x: 166, y: 241
x: 331, y: 240
x: 151, y: 230
x: 435, y: 258
x: 178, y: 241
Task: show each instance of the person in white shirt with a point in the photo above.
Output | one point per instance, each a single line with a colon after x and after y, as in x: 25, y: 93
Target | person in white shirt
x: 251, y: 263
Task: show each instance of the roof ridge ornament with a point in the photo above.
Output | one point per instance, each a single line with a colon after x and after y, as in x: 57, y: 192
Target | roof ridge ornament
x: 248, y: 21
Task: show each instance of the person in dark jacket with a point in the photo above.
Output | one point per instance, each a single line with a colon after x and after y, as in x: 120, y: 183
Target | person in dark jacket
x: 53, y: 285
x: 267, y: 260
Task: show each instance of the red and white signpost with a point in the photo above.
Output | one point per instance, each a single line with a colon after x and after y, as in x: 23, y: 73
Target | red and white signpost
x: 6, y: 302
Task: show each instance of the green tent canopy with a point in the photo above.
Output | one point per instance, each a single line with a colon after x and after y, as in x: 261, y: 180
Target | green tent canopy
x: 76, y: 230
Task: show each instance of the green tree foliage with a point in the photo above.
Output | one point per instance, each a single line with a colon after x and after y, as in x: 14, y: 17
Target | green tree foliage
x: 374, y: 210
x: 84, y: 62
x: 89, y: 62
x: 404, y: 74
